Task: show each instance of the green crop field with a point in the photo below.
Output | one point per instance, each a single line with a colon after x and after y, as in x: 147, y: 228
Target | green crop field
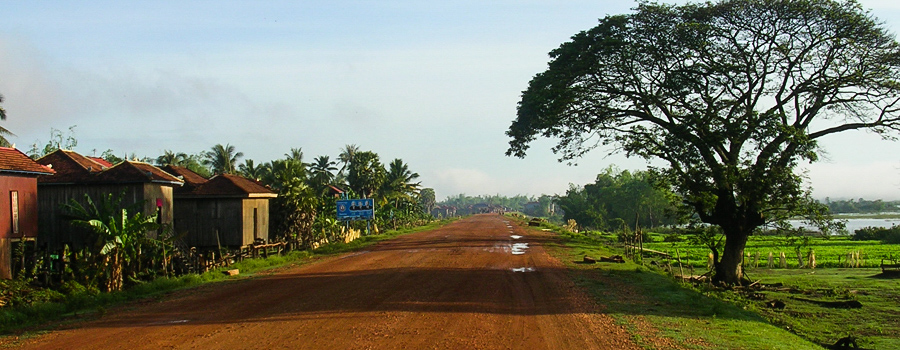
x: 834, y: 251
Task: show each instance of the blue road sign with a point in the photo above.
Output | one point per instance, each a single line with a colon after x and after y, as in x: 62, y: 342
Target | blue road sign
x: 356, y: 209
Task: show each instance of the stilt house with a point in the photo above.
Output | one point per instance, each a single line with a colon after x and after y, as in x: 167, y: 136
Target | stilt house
x: 18, y: 204
x: 136, y: 182
x: 224, y: 211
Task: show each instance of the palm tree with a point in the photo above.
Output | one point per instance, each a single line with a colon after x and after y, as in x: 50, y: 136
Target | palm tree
x: 365, y: 174
x: 252, y: 171
x: 171, y: 158
x: 3, y: 131
x: 222, y: 159
x: 346, y: 157
x: 323, y: 170
x: 295, y: 154
x: 399, y: 179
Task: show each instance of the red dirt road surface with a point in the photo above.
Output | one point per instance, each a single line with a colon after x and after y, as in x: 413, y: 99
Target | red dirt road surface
x: 478, y: 283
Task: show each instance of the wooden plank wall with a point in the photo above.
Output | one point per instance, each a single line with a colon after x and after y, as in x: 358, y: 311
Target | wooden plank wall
x: 54, y: 227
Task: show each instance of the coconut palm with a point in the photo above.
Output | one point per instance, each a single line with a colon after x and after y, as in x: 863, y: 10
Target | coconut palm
x: 251, y: 170
x: 169, y: 157
x: 295, y: 154
x: 346, y: 157
x: 322, y: 173
x: 399, y: 180
x: 222, y: 159
x: 3, y: 131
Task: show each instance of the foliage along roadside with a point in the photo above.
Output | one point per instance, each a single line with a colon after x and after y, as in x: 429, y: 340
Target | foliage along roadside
x: 29, y: 306
x: 688, y: 317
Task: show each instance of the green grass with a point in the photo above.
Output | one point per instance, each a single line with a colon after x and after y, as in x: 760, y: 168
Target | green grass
x: 49, y: 306
x: 689, y: 317
x: 875, y: 324
x: 701, y: 317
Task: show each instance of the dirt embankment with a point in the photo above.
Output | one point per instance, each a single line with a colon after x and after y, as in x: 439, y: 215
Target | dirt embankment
x: 479, y: 283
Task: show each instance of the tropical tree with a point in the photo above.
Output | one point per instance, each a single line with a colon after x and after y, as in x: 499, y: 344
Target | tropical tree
x: 295, y: 154
x: 222, y: 159
x: 120, y: 235
x: 346, y: 156
x: 399, y: 180
x: 57, y: 141
x: 3, y: 131
x: 427, y: 199
x: 365, y: 174
x: 251, y: 170
x: 731, y: 94
x: 171, y: 158
x: 322, y: 173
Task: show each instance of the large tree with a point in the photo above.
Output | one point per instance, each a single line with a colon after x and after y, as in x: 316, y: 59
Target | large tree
x: 365, y: 173
x: 731, y: 94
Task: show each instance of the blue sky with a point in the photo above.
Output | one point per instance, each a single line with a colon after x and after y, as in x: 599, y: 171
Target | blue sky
x: 433, y: 83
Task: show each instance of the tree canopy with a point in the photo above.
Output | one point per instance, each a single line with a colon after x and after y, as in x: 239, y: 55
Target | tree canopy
x: 731, y: 94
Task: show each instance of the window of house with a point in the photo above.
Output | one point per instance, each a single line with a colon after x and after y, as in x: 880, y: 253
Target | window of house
x: 14, y: 206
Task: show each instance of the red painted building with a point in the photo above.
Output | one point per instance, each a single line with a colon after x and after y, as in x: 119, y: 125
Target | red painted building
x: 18, y: 203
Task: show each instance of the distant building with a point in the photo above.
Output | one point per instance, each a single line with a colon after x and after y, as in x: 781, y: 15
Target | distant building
x: 18, y: 204
x: 77, y: 176
x: 226, y: 210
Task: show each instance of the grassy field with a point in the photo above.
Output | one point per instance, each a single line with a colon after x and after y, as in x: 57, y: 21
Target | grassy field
x: 704, y: 317
x: 830, y: 252
x: 654, y: 306
x: 875, y: 324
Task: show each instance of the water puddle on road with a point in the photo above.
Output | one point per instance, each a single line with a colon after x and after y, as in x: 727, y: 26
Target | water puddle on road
x: 522, y: 269
x: 519, y: 248
x: 515, y: 236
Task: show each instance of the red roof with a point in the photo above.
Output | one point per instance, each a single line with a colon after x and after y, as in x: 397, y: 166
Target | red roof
x: 72, y: 167
x: 14, y: 161
x: 131, y: 171
x: 69, y: 166
x: 189, y: 176
x: 191, y: 179
x: 102, y: 161
x: 225, y: 185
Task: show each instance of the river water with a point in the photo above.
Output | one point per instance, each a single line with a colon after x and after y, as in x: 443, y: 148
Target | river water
x: 855, y: 224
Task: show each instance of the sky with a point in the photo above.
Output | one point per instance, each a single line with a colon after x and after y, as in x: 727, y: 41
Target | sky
x: 433, y: 83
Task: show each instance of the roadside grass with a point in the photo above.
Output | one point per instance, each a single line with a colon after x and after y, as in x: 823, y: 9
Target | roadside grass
x: 693, y: 319
x: 50, y: 306
x: 690, y: 317
x: 874, y: 325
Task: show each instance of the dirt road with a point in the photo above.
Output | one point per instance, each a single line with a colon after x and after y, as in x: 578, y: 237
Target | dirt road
x: 479, y: 283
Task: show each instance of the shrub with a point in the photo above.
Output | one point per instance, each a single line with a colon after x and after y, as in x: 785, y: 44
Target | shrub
x: 885, y: 235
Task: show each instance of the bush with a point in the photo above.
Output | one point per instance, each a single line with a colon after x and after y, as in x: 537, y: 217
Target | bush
x: 673, y: 237
x: 885, y: 235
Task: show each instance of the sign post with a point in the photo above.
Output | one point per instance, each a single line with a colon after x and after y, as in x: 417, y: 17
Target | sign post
x: 356, y: 209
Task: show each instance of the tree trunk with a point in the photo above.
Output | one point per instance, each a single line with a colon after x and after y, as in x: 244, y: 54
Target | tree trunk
x: 729, y: 269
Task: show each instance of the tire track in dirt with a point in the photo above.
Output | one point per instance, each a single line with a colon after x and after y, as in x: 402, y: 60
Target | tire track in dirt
x: 459, y: 286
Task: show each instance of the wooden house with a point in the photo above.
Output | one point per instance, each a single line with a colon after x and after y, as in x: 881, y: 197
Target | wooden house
x: 224, y: 211
x: 18, y: 204
x: 135, y: 182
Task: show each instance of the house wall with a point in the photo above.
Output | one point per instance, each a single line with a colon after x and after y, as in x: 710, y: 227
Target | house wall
x: 54, y: 228
x: 26, y: 189
x: 201, y: 219
x: 261, y: 226
x: 156, y: 195
x: 26, y: 193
